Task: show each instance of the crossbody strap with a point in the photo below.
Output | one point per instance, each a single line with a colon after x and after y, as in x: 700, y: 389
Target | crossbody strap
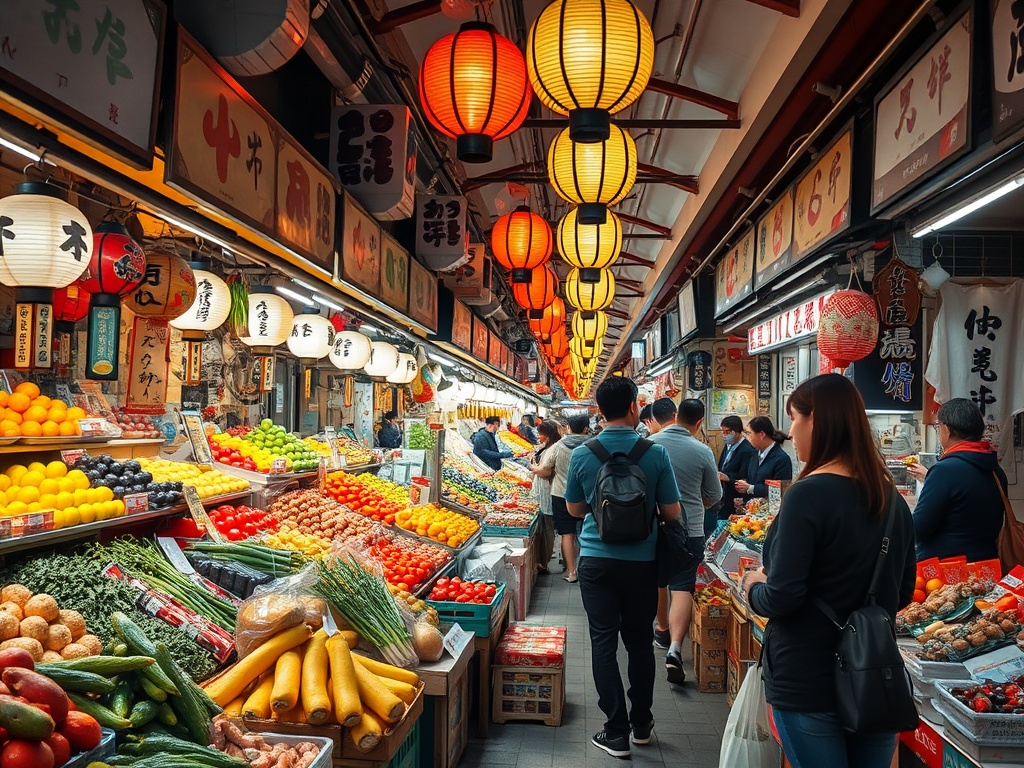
x: 598, y: 450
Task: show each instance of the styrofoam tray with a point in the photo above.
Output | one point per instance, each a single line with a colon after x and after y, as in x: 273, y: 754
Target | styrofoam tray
x: 323, y: 760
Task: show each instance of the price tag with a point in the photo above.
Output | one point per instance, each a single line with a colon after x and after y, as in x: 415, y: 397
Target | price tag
x: 92, y: 427
x: 198, y: 512
x: 279, y: 467
x: 456, y: 640
x: 331, y: 436
x: 192, y: 422
x: 72, y: 456
x: 136, y: 502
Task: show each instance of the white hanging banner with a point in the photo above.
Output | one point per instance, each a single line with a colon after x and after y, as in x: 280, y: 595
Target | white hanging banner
x: 975, y: 353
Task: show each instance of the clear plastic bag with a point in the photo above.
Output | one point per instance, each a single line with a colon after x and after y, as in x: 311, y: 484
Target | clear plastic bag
x: 748, y: 741
x: 277, y: 606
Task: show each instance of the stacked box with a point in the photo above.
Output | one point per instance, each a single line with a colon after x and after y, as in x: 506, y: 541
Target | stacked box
x: 709, y: 669
x: 739, y: 632
x: 711, y: 628
x: 528, y: 676
x: 737, y: 670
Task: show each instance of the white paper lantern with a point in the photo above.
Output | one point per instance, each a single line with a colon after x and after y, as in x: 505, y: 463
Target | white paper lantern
x: 270, y: 319
x: 490, y: 395
x: 208, y: 310
x: 44, y: 242
x: 312, y: 336
x: 467, y: 391
x: 351, y: 351
x: 406, y: 370
x: 383, y: 360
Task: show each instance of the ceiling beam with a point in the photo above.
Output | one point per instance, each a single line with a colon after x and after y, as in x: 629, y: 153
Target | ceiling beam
x: 634, y: 259
x: 624, y: 265
x: 392, y: 20
x: 730, y: 109
x: 646, y: 236
x: 785, y: 7
x: 659, y: 228
x: 682, y: 181
x: 643, y: 123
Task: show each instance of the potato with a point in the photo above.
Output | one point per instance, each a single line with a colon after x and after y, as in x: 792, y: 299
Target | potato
x: 51, y: 656
x: 15, y: 593
x: 58, y: 637
x: 14, y: 609
x: 9, y: 626
x: 44, y: 606
x: 74, y: 651
x: 72, y: 620
x: 92, y: 643
x: 35, y: 627
x: 34, y: 647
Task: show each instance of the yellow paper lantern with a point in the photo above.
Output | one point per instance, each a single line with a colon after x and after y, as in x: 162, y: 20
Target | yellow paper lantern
x: 593, y: 176
x: 584, y: 349
x: 589, y: 59
x: 589, y: 325
x: 587, y: 296
x: 589, y: 247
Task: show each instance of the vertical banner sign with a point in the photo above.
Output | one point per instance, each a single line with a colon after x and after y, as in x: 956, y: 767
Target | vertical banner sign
x: 921, y: 123
x: 394, y: 273
x: 471, y: 282
x: 822, y: 204
x: 148, y: 367
x: 192, y: 424
x: 441, y: 238
x: 734, y: 275
x: 1007, y: 68
x: 775, y: 240
x: 104, y: 344
x: 462, y: 326
x: 698, y: 366
x: 306, y: 202
x: 764, y: 384
x: 33, y: 325
x: 422, y: 296
x: 359, y: 261
x: 372, y: 157
x: 974, y: 354
x: 480, y: 336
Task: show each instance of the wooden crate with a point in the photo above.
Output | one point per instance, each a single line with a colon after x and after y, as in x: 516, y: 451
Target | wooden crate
x: 712, y: 632
x: 739, y: 632
x: 528, y: 693
x: 709, y: 669
x: 737, y: 670
x: 445, y: 723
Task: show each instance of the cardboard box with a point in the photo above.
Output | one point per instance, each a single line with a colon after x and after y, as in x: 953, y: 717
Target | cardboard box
x: 739, y: 634
x: 711, y: 632
x: 737, y: 670
x: 709, y: 669
x: 527, y: 693
x: 524, y: 645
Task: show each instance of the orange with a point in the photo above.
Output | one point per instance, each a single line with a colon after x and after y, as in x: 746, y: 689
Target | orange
x: 51, y: 429
x: 919, y: 595
x: 4, y: 397
x: 36, y: 413
x: 13, y: 416
x: 919, y: 583
x: 7, y: 424
x: 75, y: 413
x: 19, y: 402
x: 67, y: 429
x: 932, y: 585
x: 42, y: 401
x: 56, y: 415
x: 27, y: 388
x: 12, y: 432
x: 32, y: 429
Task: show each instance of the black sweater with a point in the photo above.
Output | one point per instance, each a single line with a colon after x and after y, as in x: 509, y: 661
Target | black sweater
x: 822, y: 542
x: 776, y: 466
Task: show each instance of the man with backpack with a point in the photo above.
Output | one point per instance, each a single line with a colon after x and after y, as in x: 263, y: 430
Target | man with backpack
x: 617, y: 483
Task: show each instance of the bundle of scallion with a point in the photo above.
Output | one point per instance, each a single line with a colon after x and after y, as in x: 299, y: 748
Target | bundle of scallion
x: 274, y: 562
x: 366, y: 604
x: 143, y: 561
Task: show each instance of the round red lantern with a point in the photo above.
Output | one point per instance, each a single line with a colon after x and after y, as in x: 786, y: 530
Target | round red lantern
x: 521, y: 241
x: 552, y: 318
x: 473, y: 88
x: 848, y: 328
x: 537, y: 294
x: 71, y: 304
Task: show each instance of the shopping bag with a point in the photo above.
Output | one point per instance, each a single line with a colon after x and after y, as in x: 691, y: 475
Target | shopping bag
x: 748, y: 741
x: 1010, y: 544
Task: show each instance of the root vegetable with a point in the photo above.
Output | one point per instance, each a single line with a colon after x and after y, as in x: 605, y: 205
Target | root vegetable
x: 9, y: 626
x: 58, y: 637
x: 92, y: 643
x: 74, y: 621
x: 35, y: 627
x: 375, y: 696
x: 13, y: 609
x: 34, y: 647
x: 74, y: 651
x: 42, y: 605
x: 51, y: 656
x: 287, y: 679
x: 15, y: 593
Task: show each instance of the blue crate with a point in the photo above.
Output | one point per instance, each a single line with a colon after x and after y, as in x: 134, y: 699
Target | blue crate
x: 472, y: 617
x: 408, y: 754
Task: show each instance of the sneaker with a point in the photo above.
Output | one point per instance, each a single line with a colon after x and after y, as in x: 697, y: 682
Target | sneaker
x: 642, y: 735
x: 674, y: 667
x: 661, y: 638
x: 616, y: 746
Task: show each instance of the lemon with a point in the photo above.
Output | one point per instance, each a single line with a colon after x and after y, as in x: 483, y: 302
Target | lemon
x: 15, y: 472
x: 5, y: 482
x: 64, y: 500
x: 66, y: 485
x: 28, y: 494
x: 92, y: 495
x: 71, y: 517
x: 87, y: 513
x: 49, y: 486
x: 78, y: 477
x: 35, y: 506
x: 32, y: 478
x: 58, y: 519
x: 37, y: 466
x: 17, y: 508
x: 81, y: 497
x: 56, y: 469
x: 105, y: 494
x: 101, y: 512
x: 48, y: 501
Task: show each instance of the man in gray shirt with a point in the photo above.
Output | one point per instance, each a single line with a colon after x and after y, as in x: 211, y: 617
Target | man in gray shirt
x: 696, y: 473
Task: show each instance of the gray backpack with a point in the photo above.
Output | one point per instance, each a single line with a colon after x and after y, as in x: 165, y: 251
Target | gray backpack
x: 620, y: 500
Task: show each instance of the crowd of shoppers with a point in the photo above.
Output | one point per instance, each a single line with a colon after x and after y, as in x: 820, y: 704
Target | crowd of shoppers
x: 542, y: 465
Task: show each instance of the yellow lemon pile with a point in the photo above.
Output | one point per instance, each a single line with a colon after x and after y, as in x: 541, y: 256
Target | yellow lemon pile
x: 51, y: 487
x: 208, y: 482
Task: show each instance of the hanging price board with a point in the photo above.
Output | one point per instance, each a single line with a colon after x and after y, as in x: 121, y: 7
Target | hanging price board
x: 192, y: 423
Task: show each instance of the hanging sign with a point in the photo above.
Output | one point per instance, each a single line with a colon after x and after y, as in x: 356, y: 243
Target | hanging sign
x: 1007, y: 30
x: 493, y: 350
x: 471, y: 282
x: 822, y: 202
x: 374, y: 158
x: 462, y: 326
x: 149, y: 362
x: 698, y: 367
x: 775, y: 240
x: 422, y: 296
x: 441, y: 238
x: 394, y: 273
x: 734, y: 275
x: 788, y: 327
x: 764, y: 383
x: 305, y: 205
x: 93, y: 66
x: 101, y: 361
x: 890, y: 378
x: 33, y: 339
x: 921, y: 123
x: 897, y: 293
x: 359, y: 260
x: 480, y: 339
x: 687, y: 315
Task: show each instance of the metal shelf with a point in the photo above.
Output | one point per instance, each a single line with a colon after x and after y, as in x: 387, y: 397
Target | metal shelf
x: 71, y: 445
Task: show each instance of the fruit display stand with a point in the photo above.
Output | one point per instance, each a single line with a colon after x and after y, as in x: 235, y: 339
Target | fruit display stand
x: 446, y: 708
x: 265, y: 487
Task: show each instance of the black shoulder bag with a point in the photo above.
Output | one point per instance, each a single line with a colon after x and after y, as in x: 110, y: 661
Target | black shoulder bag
x: 672, y: 549
x: 873, y: 690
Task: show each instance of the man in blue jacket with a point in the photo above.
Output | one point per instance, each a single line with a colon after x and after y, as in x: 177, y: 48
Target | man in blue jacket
x: 485, y: 444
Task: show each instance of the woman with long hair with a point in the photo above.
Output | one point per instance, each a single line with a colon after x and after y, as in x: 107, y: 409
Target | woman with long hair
x: 824, y: 544
x: 769, y: 462
x: 543, y: 467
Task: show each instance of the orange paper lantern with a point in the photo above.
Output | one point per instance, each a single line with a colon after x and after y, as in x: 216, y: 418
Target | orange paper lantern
x: 521, y: 241
x: 537, y: 294
x: 551, y: 320
x: 848, y: 328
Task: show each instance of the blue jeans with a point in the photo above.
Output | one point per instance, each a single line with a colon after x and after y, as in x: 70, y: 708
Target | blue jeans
x: 816, y: 739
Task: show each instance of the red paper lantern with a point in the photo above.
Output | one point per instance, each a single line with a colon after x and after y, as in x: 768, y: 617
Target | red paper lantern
x: 848, y: 328
x: 521, y: 241
x: 558, y: 347
x: 70, y: 304
x: 537, y: 294
x: 117, y: 265
x: 473, y: 88
x: 551, y: 320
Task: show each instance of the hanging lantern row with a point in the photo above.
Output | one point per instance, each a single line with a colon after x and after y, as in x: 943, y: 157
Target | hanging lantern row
x: 538, y: 293
x: 552, y: 319
x: 590, y: 296
x: 521, y: 242
x: 589, y: 247
x: 207, y: 313
x: 593, y: 176
x: 589, y: 326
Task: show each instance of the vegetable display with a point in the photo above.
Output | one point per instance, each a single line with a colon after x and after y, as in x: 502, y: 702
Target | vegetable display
x: 438, y: 524
x: 456, y: 590
x: 37, y: 625
x: 257, y: 450
x: 242, y: 522
x: 208, y: 482
x: 368, y: 495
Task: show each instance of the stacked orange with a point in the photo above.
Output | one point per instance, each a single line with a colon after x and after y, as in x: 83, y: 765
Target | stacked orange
x: 27, y: 413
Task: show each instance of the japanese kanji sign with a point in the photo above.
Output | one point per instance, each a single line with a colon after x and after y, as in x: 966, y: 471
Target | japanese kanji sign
x: 472, y: 281
x: 787, y: 327
x: 394, y: 273
x: 480, y: 339
x: 1007, y: 67
x: 305, y: 205
x: 93, y: 66
x: 974, y: 353
x: 775, y: 240
x: 359, y: 261
x: 897, y: 293
x: 822, y: 206
x: 921, y: 123
x: 764, y: 383
x: 734, y: 276
x: 698, y: 364
x: 373, y: 157
x: 441, y: 238
x: 148, y: 366
x: 462, y: 326
x: 422, y: 295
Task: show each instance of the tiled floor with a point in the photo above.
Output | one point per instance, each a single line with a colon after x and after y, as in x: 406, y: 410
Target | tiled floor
x: 689, y: 725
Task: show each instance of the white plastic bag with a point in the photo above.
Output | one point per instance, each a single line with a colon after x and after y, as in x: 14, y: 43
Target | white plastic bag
x: 748, y: 741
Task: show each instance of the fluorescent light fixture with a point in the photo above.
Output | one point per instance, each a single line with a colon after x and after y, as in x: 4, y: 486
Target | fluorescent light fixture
x: 307, y: 286
x: 295, y: 295
x: 971, y: 207
x: 439, y: 359
x: 189, y: 228
x: 35, y: 158
x: 324, y: 301
x: 801, y: 272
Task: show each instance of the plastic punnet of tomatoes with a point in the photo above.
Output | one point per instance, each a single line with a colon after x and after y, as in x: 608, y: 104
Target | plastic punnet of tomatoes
x: 455, y: 590
x: 408, y: 564
x: 242, y: 522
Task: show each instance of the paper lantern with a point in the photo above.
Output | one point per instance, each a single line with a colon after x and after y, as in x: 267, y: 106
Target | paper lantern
x: 351, y: 351
x: 311, y: 337
x: 590, y: 296
x: 405, y: 371
x: 593, y: 176
x: 521, y: 241
x: 589, y: 325
x: 167, y: 290
x: 537, y: 294
x: 70, y: 304
x: 208, y: 311
x: 585, y: 349
x: 551, y: 320
x: 383, y: 360
x: 270, y: 319
x: 467, y: 391
x: 589, y: 59
x: 848, y: 328
x: 589, y: 247
x: 557, y: 347
x: 473, y: 88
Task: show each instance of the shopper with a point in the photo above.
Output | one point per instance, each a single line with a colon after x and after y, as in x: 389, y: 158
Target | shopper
x: 824, y: 543
x: 646, y: 422
x: 527, y: 430
x: 389, y: 436
x: 663, y: 412
x: 618, y: 582
x: 960, y: 510
x: 733, y: 462
x: 485, y: 444
x: 693, y: 464
x: 566, y: 526
x: 769, y: 463
x: 543, y: 467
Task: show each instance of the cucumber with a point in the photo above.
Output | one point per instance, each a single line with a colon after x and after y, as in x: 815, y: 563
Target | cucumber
x: 74, y: 680
x: 141, y: 645
x: 118, y: 760
x: 108, y: 666
x: 119, y: 649
x: 168, y: 745
x: 151, y: 689
x: 189, y: 707
x: 143, y: 712
x: 121, y: 701
x: 166, y: 714
x: 101, y: 714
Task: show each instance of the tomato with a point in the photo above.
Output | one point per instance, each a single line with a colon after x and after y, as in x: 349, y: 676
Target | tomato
x: 462, y: 599
x: 442, y: 583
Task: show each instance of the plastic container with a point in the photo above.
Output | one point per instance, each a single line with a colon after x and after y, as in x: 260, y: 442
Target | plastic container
x: 472, y: 617
x: 408, y: 754
x: 982, y: 727
x: 323, y: 760
x: 104, y: 749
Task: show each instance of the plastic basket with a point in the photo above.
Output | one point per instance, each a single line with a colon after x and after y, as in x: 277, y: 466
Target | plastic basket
x: 323, y: 759
x: 472, y: 617
x: 983, y: 727
x: 104, y: 749
x: 408, y: 754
